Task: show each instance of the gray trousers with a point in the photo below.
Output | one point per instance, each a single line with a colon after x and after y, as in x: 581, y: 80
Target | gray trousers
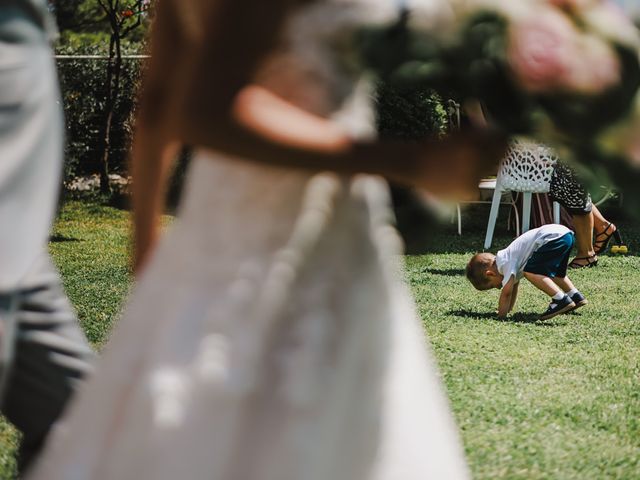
x: 44, y: 355
x: 43, y: 351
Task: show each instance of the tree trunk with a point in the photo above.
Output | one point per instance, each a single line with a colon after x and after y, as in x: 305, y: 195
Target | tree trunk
x: 114, y: 73
x: 112, y: 87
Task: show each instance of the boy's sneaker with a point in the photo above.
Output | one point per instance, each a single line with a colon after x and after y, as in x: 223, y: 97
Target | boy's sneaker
x: 556, y: 307
x: 579, y: 299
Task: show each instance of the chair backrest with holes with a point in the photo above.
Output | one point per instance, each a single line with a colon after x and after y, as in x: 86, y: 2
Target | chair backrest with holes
x: 527, y: 167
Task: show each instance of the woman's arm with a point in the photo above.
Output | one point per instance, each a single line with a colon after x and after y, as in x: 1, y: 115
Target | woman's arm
x: 217, y: 107
x: 154, y: 144
x: 198, y: 91
x: 266, y: 127
x: 183, y: 59
x: 150, y: 169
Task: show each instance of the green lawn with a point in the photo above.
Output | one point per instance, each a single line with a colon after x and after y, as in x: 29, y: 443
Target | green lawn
x: 556, y: 399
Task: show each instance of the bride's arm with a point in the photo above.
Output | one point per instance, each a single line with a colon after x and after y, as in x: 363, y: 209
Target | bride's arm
x: 267, y: 127
x: 220, y: 109
x: 154, y: 146
x: 198, y: 91
x: 202, y: 53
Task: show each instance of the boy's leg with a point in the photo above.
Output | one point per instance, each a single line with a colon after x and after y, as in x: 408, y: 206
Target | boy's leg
x: 548, y: 286
x: 569, y: 288
x: 544, y: 283
x: 564, y: 283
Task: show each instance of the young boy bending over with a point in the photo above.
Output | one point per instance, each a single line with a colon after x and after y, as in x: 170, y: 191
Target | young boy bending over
x: 539, y: 255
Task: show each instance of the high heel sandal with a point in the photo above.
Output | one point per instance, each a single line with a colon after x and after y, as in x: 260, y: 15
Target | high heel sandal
x: 602, y: 239
x: 591, y: 261
x: 601, y: 244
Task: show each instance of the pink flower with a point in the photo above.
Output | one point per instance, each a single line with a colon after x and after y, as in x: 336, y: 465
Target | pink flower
x: 609, y: 21
x: 540, y: 49
x: 548, y: 54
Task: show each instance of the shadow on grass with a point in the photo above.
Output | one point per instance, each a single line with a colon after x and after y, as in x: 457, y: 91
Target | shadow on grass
x: 472, y: 314
x: 520, y: 317
x: 447, y: 272
x: 62, y: 238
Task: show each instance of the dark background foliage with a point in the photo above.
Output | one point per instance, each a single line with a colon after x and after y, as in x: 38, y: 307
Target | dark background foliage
x: 407, y: 114
x: 82, y: 85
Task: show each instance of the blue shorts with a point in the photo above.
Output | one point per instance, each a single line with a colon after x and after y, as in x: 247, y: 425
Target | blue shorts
x: 552, y: 258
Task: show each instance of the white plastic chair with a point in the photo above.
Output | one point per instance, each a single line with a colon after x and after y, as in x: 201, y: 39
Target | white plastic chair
x: 487, y: 185
x: 526, y: 168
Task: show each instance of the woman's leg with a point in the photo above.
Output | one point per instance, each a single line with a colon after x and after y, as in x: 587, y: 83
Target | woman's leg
x: 586, y: 255
x: 566, y: 189
x: 599, y: 222
x: 583, y: 225
x: 603, y: 230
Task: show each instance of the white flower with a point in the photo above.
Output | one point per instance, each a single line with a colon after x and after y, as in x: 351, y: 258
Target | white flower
x: 608, y: 20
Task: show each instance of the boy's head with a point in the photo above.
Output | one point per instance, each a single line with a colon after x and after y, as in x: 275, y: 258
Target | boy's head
x: 482, y: 271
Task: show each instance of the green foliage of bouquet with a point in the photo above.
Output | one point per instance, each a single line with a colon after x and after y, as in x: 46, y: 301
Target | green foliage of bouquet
x: 566, y: 72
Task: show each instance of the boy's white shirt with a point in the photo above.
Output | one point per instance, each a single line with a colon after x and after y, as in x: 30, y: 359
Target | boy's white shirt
x: 511, y: 261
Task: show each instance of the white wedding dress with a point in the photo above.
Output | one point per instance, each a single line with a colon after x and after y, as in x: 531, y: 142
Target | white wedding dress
x: 271, y: 337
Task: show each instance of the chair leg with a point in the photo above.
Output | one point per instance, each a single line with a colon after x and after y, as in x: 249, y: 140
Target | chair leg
x: 459, y: 218
x: 526, y: 211
x: 556, y: 212
x: 493, y: 216
x: 514, y: 206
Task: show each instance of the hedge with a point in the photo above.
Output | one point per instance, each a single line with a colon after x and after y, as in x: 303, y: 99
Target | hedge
x: 401, y: 114
x: 83, y: 94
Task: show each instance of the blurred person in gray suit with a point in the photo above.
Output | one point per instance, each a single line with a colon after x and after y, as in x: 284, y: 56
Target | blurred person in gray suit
x: 43, y: 352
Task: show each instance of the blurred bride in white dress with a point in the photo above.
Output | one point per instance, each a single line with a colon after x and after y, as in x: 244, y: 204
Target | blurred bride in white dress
x: 269, y: 335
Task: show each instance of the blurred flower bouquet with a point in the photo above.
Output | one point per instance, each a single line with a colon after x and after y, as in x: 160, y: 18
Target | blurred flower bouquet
x: 565, y: 72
